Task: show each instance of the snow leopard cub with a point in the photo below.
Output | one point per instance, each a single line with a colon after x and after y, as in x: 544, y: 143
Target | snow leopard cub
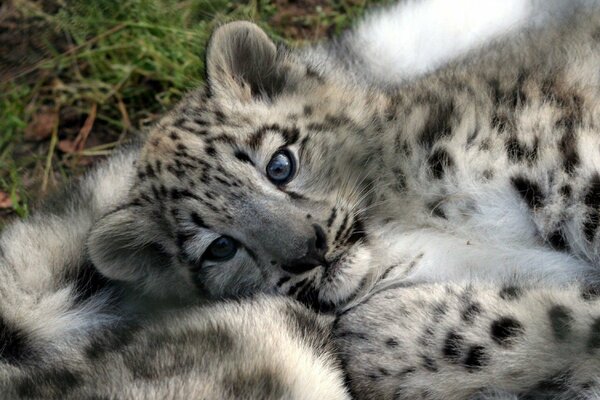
x: 283, y: 178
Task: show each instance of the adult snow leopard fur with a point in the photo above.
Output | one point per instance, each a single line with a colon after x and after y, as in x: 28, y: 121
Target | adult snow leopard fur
x: 211, y: 155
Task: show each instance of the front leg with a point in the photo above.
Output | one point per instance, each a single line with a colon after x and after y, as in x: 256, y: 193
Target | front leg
x: 449, y: 341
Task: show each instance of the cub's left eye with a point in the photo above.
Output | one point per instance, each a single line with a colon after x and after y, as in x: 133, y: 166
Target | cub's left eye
x: 221, y: 249
x: 281, y: 168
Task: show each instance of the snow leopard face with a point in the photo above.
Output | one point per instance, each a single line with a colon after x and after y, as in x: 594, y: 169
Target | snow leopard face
x: 248, y: 186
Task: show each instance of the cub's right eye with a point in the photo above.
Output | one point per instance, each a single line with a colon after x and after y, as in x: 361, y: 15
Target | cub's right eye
x: 221, y: 249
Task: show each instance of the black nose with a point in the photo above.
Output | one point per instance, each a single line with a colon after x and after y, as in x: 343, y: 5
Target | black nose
x: 315, y: 255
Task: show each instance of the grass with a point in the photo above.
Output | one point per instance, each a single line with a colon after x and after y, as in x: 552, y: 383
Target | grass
x: 93, y: 73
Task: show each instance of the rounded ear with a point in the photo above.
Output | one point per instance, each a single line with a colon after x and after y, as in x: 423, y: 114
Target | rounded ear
x: 123, y: 245
x: 242, y: 62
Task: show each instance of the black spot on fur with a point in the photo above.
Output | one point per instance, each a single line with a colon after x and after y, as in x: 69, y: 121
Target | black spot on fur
x: 557, y: 240
x: 566, y: 191
x: 510, y: 293
x: 244, y: 157
x: 519, y: 152
x: 46, y: 384
x: 439, y: 162
x: 210, y: 151
x: 438, y: 124
x: 550, y: 387
x: 515, y: 150
x: 594, y: 340
x: 438, y: 311
x: 471, y: 311
x: 391, y: 342
x: 590, y: 293
x: 560, y: 320
x: 110, y: 341
x: 505, y: 330
x: 453, y: 346
x: 167, y: 355
x: 14, y: 346
x: 435, y: 209
x: 309, y: 326
x: 500, y: 121
x: 220, y: 116
x: 476, y: 358
x: 429, y: 364
x: 592, y: 201
x: 261, y: 383
x: 568, y: 149
x: 529, y: 191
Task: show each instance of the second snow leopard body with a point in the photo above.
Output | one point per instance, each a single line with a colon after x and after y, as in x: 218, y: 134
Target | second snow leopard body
x: 282, y: 176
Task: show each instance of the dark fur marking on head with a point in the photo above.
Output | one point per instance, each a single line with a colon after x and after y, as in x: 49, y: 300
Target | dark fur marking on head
x: 210, y: 151
x: 243, y: 157
x: 294, y: 288
x: 257, y: 137
x: 529, y: 191
x: 504, y: 331
x: 357, y: 232
x: 182, y: 238
x: 294, y: 195
x: 178, y: 194
x: 174, y: 136
x: 290, y: 135
x: 560, y: 321
x: 331, y: 217
x: 341, y: 228
x: 196, y: 219
x: 391, y: 342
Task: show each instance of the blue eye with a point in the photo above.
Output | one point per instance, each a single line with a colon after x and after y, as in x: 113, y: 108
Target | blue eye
x: 221, y: 249
x: 281, y: 168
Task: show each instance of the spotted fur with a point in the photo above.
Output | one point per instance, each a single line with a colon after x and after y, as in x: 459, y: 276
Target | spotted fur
x: 448, y: 221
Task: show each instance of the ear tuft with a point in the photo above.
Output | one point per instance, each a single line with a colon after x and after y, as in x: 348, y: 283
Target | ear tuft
x: 242, y: 62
